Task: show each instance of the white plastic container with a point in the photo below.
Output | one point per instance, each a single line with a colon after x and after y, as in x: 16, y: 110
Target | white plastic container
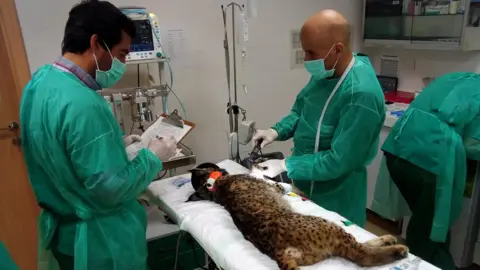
x: 453, y: 9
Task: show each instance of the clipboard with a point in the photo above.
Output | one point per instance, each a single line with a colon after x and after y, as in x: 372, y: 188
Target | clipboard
x: 160, y: 128
x: 161, y: 122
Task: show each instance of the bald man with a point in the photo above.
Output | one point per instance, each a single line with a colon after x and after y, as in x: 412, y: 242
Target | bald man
x: 335, y: 121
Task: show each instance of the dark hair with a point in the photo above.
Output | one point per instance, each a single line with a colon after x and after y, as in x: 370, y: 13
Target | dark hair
x: 95, y: 17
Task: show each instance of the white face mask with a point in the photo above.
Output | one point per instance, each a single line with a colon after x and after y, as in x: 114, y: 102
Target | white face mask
x: 110, y: 77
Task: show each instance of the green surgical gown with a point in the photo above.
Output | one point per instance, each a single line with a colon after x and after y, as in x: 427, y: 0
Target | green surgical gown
x: 437, y: 133
x: 6, y: 262
x: 81, y: 176
x: 348, y: 140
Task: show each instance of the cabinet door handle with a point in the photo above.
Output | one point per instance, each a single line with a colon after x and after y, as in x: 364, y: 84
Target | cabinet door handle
x: 13, y: 126
x: 17, y: 141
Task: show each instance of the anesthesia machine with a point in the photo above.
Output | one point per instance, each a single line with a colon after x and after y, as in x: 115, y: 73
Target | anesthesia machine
x: 146, y: 48
x: 138, y: 103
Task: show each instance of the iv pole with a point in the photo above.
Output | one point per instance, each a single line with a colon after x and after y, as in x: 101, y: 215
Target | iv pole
x: 232, y: 108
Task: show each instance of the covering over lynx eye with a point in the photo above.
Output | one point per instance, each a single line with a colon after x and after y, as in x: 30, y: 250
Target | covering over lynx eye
x: 195, y: 197
x: 204, y: 188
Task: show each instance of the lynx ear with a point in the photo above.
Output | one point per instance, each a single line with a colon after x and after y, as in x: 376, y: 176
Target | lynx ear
x: 198, y: 170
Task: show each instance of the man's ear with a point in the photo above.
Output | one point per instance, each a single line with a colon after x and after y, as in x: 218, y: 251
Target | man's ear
x: 195, y: 197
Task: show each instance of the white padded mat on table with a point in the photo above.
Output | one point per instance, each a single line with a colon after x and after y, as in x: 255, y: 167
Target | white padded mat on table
x: 212, y: 226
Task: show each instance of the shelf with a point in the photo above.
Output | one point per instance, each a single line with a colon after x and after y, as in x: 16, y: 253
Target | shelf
x: 421, y: 15
x: 412, y: 45
x: 146, y: 61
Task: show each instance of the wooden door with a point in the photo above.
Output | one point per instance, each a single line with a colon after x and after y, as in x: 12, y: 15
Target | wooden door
x: 18, y: 207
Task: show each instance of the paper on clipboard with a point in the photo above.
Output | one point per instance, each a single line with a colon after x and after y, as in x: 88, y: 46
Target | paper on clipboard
x: 160, y: 128
x: 163, y: 129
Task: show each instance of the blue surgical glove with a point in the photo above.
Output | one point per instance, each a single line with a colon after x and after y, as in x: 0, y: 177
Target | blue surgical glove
x: 273, y: 167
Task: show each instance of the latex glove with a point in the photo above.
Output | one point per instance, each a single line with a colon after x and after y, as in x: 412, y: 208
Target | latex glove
x: 267, y: 135
x: 273, y: 167
x: 131, y: 139
x: 163, y: 148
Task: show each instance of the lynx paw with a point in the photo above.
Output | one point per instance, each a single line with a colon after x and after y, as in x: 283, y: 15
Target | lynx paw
x: 401, y: 252
x: 388, y: 240
x: 382, y: 241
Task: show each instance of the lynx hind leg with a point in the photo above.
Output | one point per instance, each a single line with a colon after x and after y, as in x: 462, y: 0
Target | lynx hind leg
x: 382, y: 241
x: 287, y: 258
x: 366, y: 255
x: 388, y: 254
x: 376, y: 256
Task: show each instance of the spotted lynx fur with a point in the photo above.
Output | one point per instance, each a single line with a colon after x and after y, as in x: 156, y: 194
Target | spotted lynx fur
x: 260, y: 212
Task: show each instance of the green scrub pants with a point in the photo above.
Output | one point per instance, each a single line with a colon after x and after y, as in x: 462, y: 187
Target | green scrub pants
x: 418, y: 187
x: 65, y: 262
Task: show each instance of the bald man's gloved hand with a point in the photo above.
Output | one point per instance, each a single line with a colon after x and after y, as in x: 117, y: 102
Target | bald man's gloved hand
x: 273, y: 167
x: 265, y: 136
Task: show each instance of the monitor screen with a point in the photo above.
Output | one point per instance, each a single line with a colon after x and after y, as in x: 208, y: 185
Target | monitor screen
x: 143, y: 40
x: 388, y: 83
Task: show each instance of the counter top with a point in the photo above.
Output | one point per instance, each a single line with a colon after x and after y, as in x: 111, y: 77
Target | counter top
x: 392, y: 118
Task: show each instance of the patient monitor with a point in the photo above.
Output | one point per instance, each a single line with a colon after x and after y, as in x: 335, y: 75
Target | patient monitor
x: 146, y: 45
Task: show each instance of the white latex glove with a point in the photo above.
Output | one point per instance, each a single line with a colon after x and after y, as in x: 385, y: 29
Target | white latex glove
x: 164, y: 148
x: 268, y: 136
x: 273, y: 167
x: 131, y: 139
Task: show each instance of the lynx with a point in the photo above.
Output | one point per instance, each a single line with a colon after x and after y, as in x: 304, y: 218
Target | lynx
x: 264, y: 217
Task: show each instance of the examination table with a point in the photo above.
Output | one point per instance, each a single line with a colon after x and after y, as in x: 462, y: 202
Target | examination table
x: 212, y: 226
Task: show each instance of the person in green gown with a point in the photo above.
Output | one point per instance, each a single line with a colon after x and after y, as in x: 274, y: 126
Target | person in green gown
x: 75, y: 150
x: 426, y: 154
x: 6, y: 262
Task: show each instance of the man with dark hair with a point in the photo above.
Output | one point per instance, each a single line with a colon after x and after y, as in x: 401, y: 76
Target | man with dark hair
x: 75, y: 153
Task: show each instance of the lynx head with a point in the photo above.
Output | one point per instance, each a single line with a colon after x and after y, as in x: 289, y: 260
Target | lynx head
x: 203, y: 181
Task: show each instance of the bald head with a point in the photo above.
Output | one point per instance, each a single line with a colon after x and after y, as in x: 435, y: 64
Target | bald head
x: 327, y: 26
x: 326, y: 35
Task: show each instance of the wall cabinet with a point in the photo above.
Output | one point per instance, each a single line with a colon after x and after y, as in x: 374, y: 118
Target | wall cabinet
x: 422, y: 24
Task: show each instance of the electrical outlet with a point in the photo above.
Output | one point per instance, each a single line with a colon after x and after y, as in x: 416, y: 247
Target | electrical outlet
x: 297, y: 53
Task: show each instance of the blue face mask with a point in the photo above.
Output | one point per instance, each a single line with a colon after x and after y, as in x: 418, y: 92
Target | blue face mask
x: 110, y: 77
x: 317, y: 69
